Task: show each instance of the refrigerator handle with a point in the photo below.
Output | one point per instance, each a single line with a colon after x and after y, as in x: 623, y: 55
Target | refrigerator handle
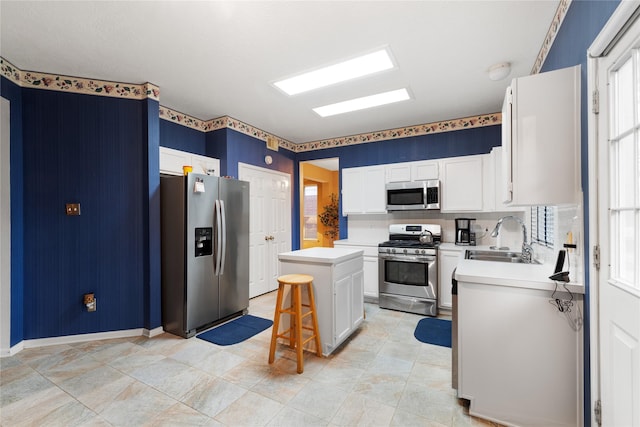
x: 216, y: 267
x: 223, y: 215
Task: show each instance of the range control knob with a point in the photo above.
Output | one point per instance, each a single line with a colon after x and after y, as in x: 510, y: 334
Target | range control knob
x: 405, y: 251
x: 393, y: 251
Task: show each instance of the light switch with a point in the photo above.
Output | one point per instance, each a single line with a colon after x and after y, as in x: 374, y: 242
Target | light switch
x: 73, y: 208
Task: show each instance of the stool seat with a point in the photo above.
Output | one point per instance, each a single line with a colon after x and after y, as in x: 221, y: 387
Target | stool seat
x: 294, y: 333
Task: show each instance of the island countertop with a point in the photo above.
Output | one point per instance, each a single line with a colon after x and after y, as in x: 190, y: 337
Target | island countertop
x: 321, y: 255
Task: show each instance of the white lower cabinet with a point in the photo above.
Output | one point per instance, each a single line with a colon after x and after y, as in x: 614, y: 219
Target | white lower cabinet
x: 447, y: 260
x: 519, y: 358
x: 370, y: 258
x: 338, y: 282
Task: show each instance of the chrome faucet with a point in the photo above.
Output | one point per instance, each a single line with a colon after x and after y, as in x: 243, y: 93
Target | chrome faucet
x: 527, y: 250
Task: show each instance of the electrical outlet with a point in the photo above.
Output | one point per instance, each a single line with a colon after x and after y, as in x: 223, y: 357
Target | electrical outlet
x: 89, y: 301
x: 73, y: 209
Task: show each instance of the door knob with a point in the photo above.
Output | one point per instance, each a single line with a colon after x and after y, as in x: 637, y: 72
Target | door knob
x: 266, y: 237
x: 271, y: 237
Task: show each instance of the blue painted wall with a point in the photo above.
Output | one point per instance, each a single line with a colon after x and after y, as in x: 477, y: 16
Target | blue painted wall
x: 581, y: 25
x: 13, y: 93
x: 91, y: 150
x: 425, y: 147
x: 178, y: 137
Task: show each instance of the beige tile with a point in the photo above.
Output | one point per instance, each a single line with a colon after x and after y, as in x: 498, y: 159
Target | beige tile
x: 319, y: 400
x: 212, y: 396
x: 135, y: 405
x: 357, y: 410
x: 51, y: 401
x: 180, y: 415
x: 252, y: 409
x: 280, y: 386
x: 290, y: 417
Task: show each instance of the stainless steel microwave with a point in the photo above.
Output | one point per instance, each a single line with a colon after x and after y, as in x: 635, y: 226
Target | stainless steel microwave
x: 411, y: 196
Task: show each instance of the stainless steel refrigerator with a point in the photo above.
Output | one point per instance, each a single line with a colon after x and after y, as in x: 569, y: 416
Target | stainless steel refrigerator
x: 205, y: 251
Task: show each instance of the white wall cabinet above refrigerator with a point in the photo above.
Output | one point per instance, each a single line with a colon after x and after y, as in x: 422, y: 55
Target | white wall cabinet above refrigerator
x: 171, y: 162
x: 541, y: 139
x: 363, y: 190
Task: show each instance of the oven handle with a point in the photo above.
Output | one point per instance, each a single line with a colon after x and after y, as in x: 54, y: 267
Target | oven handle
x: 408, y: 258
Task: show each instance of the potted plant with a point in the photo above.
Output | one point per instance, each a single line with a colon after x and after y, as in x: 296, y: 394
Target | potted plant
x: 329, y: 218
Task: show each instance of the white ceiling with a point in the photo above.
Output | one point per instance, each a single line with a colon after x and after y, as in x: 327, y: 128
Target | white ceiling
x: 218, y: 58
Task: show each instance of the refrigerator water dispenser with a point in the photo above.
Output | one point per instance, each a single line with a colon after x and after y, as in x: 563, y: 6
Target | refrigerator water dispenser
x: 203, y: 241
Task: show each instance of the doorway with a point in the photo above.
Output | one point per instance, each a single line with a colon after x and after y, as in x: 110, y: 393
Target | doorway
x: 5, y: 231
x: 614, y: 176
x: 319, y: 200
x: 269, y: 225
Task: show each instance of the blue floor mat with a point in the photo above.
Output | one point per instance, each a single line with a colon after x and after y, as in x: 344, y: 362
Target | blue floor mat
x: 434, y: 331
x: 236, y: 331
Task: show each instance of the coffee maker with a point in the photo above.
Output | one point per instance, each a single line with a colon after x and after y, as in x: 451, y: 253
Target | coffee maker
x: 465, y: 236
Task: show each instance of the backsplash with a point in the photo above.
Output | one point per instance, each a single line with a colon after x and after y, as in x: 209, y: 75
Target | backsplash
x: 375, y: 229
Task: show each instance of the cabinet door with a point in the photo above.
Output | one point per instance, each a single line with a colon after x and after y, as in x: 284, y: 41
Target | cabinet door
x: 398, y: 172
x: 424, y: 171
x: 448, y: 261
x: 374, y: 190
x: 171, y: 161
x: 462, y: 184
x: 342, y: 305
x: 357, y: 298
x: 205, y: 165
x: 545, y: 144
x: 371, y: 276
x: 352, y: 195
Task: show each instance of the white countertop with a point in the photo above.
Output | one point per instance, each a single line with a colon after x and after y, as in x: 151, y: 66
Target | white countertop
x: 530, y: 276
x: 321, y: 255
x: 355, y: 243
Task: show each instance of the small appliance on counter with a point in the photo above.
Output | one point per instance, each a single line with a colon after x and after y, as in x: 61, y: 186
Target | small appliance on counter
x: 465, y: 236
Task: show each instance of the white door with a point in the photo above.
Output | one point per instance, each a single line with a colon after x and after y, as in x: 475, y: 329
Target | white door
x: 270, y: 224
x: 5, y: 231
x: 617, y: 283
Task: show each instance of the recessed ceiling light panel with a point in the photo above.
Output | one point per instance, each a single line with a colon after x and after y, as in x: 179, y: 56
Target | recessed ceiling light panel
x: 364, y: 102
x: 371, y: 63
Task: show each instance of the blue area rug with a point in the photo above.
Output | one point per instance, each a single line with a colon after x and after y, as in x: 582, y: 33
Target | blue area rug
x: 434, y: 331
x: 236, y: 331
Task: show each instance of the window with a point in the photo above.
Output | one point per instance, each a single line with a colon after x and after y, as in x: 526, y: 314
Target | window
x: 542, y: 225
x: 310, y: 231
x: 624, y: 171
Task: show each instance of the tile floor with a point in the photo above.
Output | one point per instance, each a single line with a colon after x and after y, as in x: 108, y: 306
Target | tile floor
x: 382, y: 376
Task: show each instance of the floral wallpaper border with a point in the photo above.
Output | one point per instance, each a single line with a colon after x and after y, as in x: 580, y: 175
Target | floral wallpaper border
x: 561, y: 12
x: 405, y: 132
x: 36, y: 80
x: 123, y: 90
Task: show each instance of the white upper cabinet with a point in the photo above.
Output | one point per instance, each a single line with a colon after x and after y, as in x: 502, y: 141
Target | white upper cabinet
x: 425, y: 170
x: 398, y: 172
x: 363, y: 190
x: 412, y: 171
x: 541, y: 139
x: 172, y: 161
x: 462, y: 184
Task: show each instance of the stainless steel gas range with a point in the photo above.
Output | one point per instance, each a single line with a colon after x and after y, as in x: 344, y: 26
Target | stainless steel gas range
x: 408, y: 269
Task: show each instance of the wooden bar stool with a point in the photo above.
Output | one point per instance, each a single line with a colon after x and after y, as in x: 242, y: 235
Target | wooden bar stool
x: 294, y: 333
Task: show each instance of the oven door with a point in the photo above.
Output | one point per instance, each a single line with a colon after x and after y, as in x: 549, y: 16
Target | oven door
x: 408, y: 283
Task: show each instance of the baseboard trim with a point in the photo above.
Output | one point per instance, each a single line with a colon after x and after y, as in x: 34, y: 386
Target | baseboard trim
x: 72, y: 339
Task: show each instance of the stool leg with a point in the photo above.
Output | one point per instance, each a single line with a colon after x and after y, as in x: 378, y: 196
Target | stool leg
x: 314, y: 319
x: 298, y: 339
x: 276, y: 323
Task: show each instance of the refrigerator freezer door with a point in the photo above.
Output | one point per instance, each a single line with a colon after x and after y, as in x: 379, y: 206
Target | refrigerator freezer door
x: 234, y: 280
x: 202, y: 301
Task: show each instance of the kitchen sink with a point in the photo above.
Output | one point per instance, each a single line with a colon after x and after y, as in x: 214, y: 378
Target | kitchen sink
x: 513, y: 257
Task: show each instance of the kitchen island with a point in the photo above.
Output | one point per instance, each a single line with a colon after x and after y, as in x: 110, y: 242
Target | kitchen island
x: 337, y: 287
x: 519, y: 356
